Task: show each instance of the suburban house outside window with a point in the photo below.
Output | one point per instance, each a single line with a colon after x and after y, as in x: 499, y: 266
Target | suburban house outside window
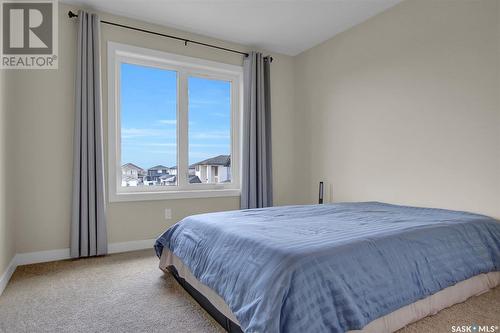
x: 174, y: 125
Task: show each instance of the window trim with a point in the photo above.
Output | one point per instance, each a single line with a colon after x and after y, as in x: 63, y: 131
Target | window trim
x: 185, y: 67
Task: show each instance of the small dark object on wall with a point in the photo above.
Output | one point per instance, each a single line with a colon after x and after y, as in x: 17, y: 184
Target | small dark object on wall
x: 320, y: 201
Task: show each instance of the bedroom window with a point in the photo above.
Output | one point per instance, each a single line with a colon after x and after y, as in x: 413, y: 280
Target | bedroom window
x: 173, y: 125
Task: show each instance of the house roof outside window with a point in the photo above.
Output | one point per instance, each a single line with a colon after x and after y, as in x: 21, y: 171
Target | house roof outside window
x: 132, y: 166
x: 159, y: 167
x: 223, y: 160
x: 193, y: 179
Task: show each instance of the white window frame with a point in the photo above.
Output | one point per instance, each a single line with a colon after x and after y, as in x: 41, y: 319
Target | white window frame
x: 185, y: 67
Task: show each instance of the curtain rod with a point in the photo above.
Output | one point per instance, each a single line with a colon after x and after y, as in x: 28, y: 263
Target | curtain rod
x: 186, y: 41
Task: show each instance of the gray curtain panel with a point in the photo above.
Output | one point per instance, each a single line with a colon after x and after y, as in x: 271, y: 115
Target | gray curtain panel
x: 88, y: 221
x: 257, y: 183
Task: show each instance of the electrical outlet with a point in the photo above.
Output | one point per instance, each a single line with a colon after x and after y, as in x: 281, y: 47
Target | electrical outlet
x: 168, y: 213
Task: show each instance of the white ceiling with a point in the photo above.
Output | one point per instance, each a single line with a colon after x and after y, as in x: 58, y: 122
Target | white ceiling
x: 282, y: 26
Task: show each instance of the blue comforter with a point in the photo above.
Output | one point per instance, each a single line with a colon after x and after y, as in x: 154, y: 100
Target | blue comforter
x: 331, y: 268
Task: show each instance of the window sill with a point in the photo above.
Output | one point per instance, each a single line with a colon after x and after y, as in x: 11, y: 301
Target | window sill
x: 172, y: 195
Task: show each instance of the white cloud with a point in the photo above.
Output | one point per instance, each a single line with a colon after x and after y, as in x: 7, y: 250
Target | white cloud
x: 220, y: 114
x: 208, y: 145
x: 201, y: 102
x: 210, y: 135
x: 131, y: 133
x: 225, y: 146
x: 161, y: 152
x: 168, y: 121
x: 199, y: 156
x: 160, y: 144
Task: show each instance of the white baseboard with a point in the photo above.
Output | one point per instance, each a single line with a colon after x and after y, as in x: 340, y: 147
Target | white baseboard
x: 61, y: 254
x: 4, y: 279
x: 131, y: 246
x: 41, y: 256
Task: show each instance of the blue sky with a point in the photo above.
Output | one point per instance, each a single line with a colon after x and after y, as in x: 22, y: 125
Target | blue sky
x: 148, y: 117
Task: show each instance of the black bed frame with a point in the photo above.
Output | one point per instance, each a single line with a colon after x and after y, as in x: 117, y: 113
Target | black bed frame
x: 224, y: 321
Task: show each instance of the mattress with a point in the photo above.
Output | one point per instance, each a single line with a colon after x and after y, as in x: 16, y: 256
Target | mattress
x: 391, y: 322
x: 331, y: 268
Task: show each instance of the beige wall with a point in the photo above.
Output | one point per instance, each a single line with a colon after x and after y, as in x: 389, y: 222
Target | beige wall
x: 7, y: 235
x: 404, y: 108
x: 42, y: 132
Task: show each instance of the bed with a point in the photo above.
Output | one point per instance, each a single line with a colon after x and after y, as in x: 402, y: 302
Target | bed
x: 370, y: 266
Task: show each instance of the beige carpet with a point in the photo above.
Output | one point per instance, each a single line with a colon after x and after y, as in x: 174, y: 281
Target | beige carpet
x: 128, y: 293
